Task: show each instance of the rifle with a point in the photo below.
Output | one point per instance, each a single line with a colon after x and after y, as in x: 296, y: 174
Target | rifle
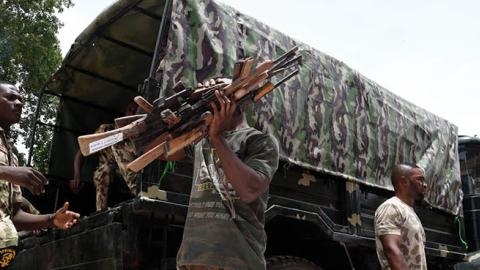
x: 173, y: 122
x: 169, y: 145
x: 92, y: 143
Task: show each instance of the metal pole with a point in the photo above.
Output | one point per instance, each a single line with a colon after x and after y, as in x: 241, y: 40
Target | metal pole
x: 348, y: 255
x: 55, y: 204
x: 153, y: 170
x: 34, y: 128
x: 161, y: 33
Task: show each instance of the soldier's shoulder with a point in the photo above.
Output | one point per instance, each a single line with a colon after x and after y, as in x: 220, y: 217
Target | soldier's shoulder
x: 254, y: 135
x: 392, y: 206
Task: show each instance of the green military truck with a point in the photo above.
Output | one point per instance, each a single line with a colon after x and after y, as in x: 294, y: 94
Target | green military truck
x: 339, y: 134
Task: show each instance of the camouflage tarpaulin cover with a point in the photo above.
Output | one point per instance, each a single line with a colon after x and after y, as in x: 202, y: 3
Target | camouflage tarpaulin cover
x: 329, y: 118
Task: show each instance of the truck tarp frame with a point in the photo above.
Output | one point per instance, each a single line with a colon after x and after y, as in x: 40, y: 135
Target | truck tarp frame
x: 100, y: 75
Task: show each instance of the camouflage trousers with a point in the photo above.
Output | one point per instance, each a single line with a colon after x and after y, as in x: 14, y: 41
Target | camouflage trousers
x: 7, y: 256
x: 198, y: 267
x: 103, y: 177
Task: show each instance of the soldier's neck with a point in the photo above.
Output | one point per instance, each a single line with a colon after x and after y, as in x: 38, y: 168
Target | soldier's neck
x: 405, y: 198
x: 5, y: 128
x: 242, y: 123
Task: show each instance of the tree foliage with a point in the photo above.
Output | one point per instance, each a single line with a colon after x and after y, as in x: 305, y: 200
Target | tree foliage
x: 29, y: 55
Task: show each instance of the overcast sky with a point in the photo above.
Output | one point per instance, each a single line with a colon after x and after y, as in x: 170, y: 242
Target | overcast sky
x: 427, y: 52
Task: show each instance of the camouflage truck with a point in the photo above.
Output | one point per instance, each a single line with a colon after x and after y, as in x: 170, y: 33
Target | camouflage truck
x: 340, y: 134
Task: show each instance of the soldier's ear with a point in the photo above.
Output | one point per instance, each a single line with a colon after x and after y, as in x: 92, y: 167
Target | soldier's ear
x: 403, y: 180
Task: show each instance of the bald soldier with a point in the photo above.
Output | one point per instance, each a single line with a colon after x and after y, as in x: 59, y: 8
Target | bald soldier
x: 12, y: 204
x: 399, y: 234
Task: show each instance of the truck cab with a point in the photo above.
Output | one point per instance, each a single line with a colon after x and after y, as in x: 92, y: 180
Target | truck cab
x: 469, y: 152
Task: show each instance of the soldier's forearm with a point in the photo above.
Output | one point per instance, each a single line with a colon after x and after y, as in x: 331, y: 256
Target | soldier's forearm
x: 26, y: 221
x: 395, y: 258
x: 77, y: 165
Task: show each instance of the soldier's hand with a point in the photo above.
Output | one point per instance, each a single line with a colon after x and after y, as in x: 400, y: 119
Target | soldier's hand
x: 64, y: 219
x: 75, y: 185
x: 223, y: 115
x: 26, y: 177
x: 212, y: 82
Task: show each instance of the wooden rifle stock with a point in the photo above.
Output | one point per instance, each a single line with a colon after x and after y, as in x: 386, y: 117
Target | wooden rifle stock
x: 159, y: 140
x: 143, y: 103
x: 92, y: 143
x: 170, y: 147
x: 238, y: 94
x: 125, y: 120
x: 246, y: 68
x: 265, y: 89
x: 148, y: 157
x: 237, y: 68
x: 268, y: 87
x: 240, y: 83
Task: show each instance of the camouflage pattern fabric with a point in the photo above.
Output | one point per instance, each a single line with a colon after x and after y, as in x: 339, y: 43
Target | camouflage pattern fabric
x: 10, y: 196
x: 111, y: 161
x: 221, y: 230
x: 339, y: 122
x: 397, y: 218
x: 7, y: 256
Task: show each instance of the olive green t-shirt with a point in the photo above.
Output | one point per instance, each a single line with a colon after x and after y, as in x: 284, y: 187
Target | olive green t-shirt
x: 220, y: 230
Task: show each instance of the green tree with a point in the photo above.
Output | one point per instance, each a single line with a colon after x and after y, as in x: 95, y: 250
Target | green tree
x: 29, y: 55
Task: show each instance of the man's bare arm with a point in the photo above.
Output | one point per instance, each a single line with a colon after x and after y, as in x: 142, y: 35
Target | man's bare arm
x: 248, y: 183
x: 26, y: 177
x: 391, y: 247
x: 29, y: 222
x: 74, y: 183
x: 62, y: 219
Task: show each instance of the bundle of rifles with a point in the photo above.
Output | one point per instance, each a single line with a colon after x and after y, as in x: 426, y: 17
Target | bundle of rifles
x: 174, y: 122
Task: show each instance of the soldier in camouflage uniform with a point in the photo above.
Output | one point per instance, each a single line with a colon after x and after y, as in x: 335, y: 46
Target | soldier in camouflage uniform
x: 400, y: 238
x: 112, y: 161
x: 13, y: 207
x: 232, y: 171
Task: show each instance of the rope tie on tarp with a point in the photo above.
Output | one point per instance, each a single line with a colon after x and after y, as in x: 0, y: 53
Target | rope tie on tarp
x: 169, y: 167
x: 459, y: 221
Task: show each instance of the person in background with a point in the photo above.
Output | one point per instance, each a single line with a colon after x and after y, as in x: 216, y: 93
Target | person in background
x: 400, y: 238
x: 112, y: 162
x: 13, y: 217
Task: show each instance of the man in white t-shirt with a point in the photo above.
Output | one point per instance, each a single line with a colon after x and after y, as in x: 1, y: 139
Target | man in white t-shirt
x: 399, y: 233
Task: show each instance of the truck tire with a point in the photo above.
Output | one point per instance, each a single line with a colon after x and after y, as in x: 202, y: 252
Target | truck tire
x: 290, y: 263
